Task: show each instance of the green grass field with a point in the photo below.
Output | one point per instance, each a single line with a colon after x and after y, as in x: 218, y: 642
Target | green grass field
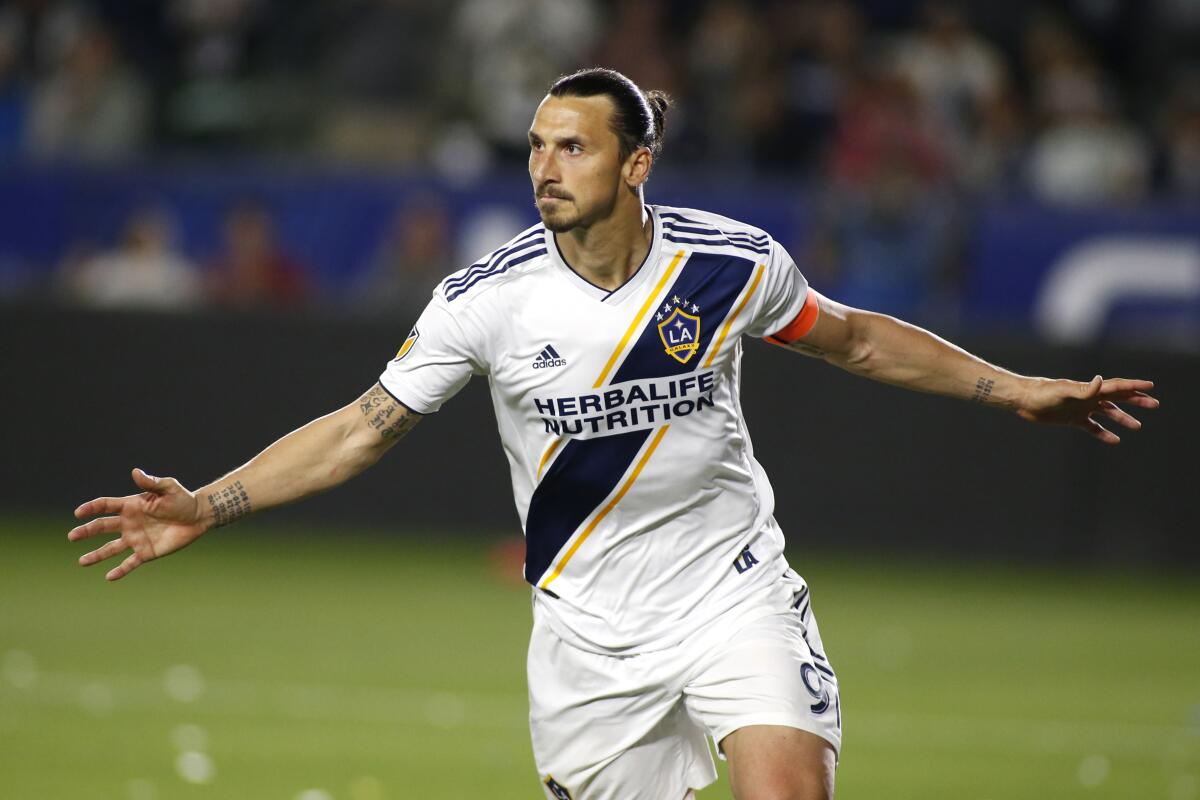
x: 267, y: 662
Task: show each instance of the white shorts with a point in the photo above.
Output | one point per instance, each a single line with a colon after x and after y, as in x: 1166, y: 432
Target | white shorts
x: 636, y: 727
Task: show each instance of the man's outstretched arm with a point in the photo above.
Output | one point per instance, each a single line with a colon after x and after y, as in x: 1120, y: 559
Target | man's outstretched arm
x: 165, y: 516
x: 886, y: 349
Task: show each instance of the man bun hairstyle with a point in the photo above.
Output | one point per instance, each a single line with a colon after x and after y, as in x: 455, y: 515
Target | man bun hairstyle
x: 639, y: 118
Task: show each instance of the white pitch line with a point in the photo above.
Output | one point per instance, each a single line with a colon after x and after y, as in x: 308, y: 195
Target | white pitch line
x: 505, y: 711
x: 1029, y: 736
x: 245, y: 698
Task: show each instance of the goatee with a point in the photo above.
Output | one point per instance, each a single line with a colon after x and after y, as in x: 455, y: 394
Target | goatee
x: 558, y: 223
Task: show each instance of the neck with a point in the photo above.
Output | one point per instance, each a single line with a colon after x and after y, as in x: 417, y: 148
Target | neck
x: 608, y: 252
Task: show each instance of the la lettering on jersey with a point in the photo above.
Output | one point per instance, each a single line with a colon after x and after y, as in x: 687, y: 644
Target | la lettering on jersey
x: 632, y: 469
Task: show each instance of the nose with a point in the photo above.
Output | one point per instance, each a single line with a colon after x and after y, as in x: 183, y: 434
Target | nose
x: 542, y: 168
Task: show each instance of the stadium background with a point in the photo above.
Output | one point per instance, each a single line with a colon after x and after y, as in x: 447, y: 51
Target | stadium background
x: 219, y: 219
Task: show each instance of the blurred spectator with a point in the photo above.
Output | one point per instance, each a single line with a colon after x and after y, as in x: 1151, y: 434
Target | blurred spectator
x: 882, y: 130
x: 887, y: 229
x: 636, y: 42
x: 993, y: 158
x: 42, y: 32
x: 90, y: 107
x: 213, y: 37
x: 145, y: 270
x: 728, y: 62
x: 955, y: 72
x: 253, y: 271
x: 1086, y: 156
x: 13, y: 94
x: 414, y: 255
x: 211, y: 99
x: 1083, y: 154
x: 820, y: 44
x: 383, y: 99
x: 1183, y: 139
x: 506, y: 54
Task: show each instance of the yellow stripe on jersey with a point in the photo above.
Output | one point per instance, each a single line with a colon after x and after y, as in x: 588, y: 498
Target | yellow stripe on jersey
x: 404, y: 348
x: 758, y: 273
x: 637, y: 321
x: 546, y: 456
x: 611, y: 503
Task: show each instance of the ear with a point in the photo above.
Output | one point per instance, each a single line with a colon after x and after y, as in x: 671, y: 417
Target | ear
x: 636, y: 169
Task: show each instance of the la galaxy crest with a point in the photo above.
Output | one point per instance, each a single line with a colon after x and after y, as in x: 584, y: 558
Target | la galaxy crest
x: 679, y: 328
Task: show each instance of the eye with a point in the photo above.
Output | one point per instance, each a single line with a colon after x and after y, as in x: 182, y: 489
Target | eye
x: 573, y: 149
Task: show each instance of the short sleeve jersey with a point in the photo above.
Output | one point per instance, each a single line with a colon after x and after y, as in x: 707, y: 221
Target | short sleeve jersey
x: 645, y: 513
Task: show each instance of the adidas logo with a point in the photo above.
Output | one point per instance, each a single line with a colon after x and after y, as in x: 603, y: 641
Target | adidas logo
x: 549, y: 357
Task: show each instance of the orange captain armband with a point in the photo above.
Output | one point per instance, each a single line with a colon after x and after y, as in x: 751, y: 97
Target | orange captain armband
x: 801, y: 325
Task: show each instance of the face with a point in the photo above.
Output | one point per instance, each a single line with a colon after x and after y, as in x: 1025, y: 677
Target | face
x: 574, y: 162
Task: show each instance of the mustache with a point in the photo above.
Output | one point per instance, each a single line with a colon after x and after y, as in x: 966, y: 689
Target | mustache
x: 548, y: 192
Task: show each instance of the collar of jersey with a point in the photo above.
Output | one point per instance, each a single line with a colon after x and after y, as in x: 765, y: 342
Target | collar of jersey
x: 626, y: 289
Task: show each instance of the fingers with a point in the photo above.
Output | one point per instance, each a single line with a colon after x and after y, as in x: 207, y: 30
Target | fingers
x: 101, y: 505
x: 96, y: 526
x: 1118, y: 416
x: 1098, y: 431
x: 1139, y: 399
x: 108, y: 550
x: 113, y: 505
x: 1091, y: 388
x: 124, y: 568
x: 1129, y: 391
x: 155, y: 485
x: 1127, y: 385
x: 148, y: 482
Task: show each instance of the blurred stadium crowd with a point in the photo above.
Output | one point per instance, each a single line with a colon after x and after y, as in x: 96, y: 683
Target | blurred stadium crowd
x: 887, y: 107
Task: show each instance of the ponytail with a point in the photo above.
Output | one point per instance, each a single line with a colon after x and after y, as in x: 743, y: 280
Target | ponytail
x: 639, y: 118
x: 659, y: 101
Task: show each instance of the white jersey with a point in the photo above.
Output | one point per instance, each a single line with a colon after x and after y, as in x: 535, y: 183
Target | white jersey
x: 645, y: 513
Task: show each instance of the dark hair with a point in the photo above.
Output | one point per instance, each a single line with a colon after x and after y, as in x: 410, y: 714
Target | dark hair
x: 639, y: 118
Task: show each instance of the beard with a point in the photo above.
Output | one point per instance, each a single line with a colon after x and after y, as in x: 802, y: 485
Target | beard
x: 565, y: 215
x: 560, y: 219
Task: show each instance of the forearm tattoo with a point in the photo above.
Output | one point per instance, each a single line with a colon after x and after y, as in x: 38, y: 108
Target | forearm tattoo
x: 983, y: 390
x: 385, y: 415
x: 229, y: 504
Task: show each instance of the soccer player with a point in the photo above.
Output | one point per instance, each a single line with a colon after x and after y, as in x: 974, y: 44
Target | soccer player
x: 611, y: 335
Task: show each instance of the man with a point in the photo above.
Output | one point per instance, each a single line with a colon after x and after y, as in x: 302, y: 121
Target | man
x: 664, y: 612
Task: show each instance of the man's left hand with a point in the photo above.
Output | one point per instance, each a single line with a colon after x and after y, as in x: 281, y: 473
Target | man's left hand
x: 1063, y: 402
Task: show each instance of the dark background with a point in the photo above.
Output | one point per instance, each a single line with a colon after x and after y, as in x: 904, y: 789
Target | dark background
x: 856, y: 466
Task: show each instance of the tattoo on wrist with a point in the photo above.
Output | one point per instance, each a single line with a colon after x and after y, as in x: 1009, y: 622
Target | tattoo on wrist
x: 385, y: 415
x: 983, y: 390
x: 229, y: 504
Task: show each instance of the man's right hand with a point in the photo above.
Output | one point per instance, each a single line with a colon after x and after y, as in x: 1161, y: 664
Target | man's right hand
x: 320, y: 455
x: 163, y: 518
